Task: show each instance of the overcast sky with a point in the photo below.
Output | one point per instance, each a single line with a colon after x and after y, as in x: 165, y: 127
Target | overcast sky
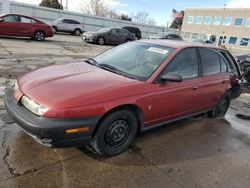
x: 160, y: 10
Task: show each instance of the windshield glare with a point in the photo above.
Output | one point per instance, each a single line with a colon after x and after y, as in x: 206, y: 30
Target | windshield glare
x: 136, y: 59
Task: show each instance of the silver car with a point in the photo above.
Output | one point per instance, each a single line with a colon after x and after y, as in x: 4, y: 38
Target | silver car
x: 68, y: 26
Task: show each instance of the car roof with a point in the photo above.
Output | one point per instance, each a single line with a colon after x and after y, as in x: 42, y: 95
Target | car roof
x: 20, y: 15
x: 174, y: 43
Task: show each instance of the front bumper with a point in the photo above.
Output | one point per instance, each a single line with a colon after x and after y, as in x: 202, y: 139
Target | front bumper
x: 50, y: 131
x: 87, y: 38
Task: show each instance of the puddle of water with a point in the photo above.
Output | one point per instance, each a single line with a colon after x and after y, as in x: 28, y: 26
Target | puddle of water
x: 237, y: 123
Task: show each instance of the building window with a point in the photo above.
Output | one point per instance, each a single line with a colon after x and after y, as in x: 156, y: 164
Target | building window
x: 207, y: 20
x: 227, y: 21
x: 232, y: 40
x: 198, y: 20
x: 217, y: 20
x: 244, y: 41
x: 238, y: 21
x: 247, y: 22
x: 190, y: 19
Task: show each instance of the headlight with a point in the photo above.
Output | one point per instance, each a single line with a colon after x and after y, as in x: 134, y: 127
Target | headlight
x: 33, y: 106
x: 16, y: 86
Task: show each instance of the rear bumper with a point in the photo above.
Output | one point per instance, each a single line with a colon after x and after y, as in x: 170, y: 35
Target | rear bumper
x: 50, y: 131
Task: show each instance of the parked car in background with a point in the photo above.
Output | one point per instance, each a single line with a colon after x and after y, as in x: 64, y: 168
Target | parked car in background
x: 68, y: 26
x: 166, y: 35
x: 24, y: 26
x: 134, y: 30
x: 107, y: 100
x: 208, y: 42
x: 108, y: 35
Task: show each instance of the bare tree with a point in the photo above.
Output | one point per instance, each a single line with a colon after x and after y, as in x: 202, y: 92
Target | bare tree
x: 95, y: 7
x: 143, y: 17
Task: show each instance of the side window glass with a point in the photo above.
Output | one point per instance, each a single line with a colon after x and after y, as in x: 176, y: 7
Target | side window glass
x: 184, y: 63
x: 223, y: 65
x: 210, y: 61
x: 26, y: 20
x: 11, y: 19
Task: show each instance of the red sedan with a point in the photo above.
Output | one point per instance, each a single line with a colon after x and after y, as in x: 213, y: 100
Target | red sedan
x: 24, y: 26
x: 107, y: 100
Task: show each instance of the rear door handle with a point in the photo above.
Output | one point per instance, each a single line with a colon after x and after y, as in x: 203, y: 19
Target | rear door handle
x: 194, y: 87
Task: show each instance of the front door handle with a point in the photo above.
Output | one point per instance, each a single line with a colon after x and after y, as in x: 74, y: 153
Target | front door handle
x: 194, y: 87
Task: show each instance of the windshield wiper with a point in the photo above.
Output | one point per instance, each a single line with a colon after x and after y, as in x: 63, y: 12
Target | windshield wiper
x: 91, y: 61
x: 110, y: 68
x: 117, y: 71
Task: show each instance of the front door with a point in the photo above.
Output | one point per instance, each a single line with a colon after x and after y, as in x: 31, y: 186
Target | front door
x: 176, y: 99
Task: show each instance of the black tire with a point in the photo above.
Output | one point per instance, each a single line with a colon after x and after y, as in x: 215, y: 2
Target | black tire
x: 247, y: 76
x: 222, y: 106
x: 127, y: 40
x: 54, y: 29
x: 77, y: 32
x: 115, y: 133
x: 39, y: 36
x: 100, y: 41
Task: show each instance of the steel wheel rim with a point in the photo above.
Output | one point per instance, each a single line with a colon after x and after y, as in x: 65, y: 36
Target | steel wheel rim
x: 117, y: 133
x: 39, y: 36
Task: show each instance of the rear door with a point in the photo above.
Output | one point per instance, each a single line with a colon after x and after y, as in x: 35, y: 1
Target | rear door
x: 8, y: 25
x: 216, y: 77
x: 25, y: 26
x: 175, y: 99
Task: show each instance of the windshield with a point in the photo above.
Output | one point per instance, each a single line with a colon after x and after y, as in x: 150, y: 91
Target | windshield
x: 103, y: 30
x: 135, y: 59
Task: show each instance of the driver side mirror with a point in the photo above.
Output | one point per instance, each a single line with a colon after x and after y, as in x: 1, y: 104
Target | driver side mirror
x: 1, y: 20
x: 172, y: 77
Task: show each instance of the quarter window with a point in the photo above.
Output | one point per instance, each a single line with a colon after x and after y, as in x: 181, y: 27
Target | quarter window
x: 185, y: 63
x: 247, y: 24
x: 198, y: 20
x: 244, y: 41
x: 190, y: 19
x: 223, y: 65
x: 210, y: 61
x: 232, y: 40
x: 238, y: 21
x: 207, y: 20
x: 217, y: 20
x: 26, y: 20
x: 227, y: 21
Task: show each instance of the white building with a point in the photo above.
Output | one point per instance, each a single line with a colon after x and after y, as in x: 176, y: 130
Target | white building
x: 4, y: 6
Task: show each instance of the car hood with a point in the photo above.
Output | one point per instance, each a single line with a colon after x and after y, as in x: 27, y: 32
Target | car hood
x: 75, y: 84
x: 92, y: 33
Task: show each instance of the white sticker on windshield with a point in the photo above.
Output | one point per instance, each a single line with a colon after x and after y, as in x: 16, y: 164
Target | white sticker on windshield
x: 158, y: 50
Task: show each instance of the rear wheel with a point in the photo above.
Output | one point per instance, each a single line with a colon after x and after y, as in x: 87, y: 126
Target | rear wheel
x: 77, y: 32
x: 222, y: 106
x: 39, y: 36
x: 100, y: 41
x: 115, y: 133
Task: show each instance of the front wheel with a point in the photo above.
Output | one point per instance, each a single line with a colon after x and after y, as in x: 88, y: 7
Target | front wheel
x: 115, y: 133
x: 100, y: 41
x: 39, y: 36
x: 222, y: 106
